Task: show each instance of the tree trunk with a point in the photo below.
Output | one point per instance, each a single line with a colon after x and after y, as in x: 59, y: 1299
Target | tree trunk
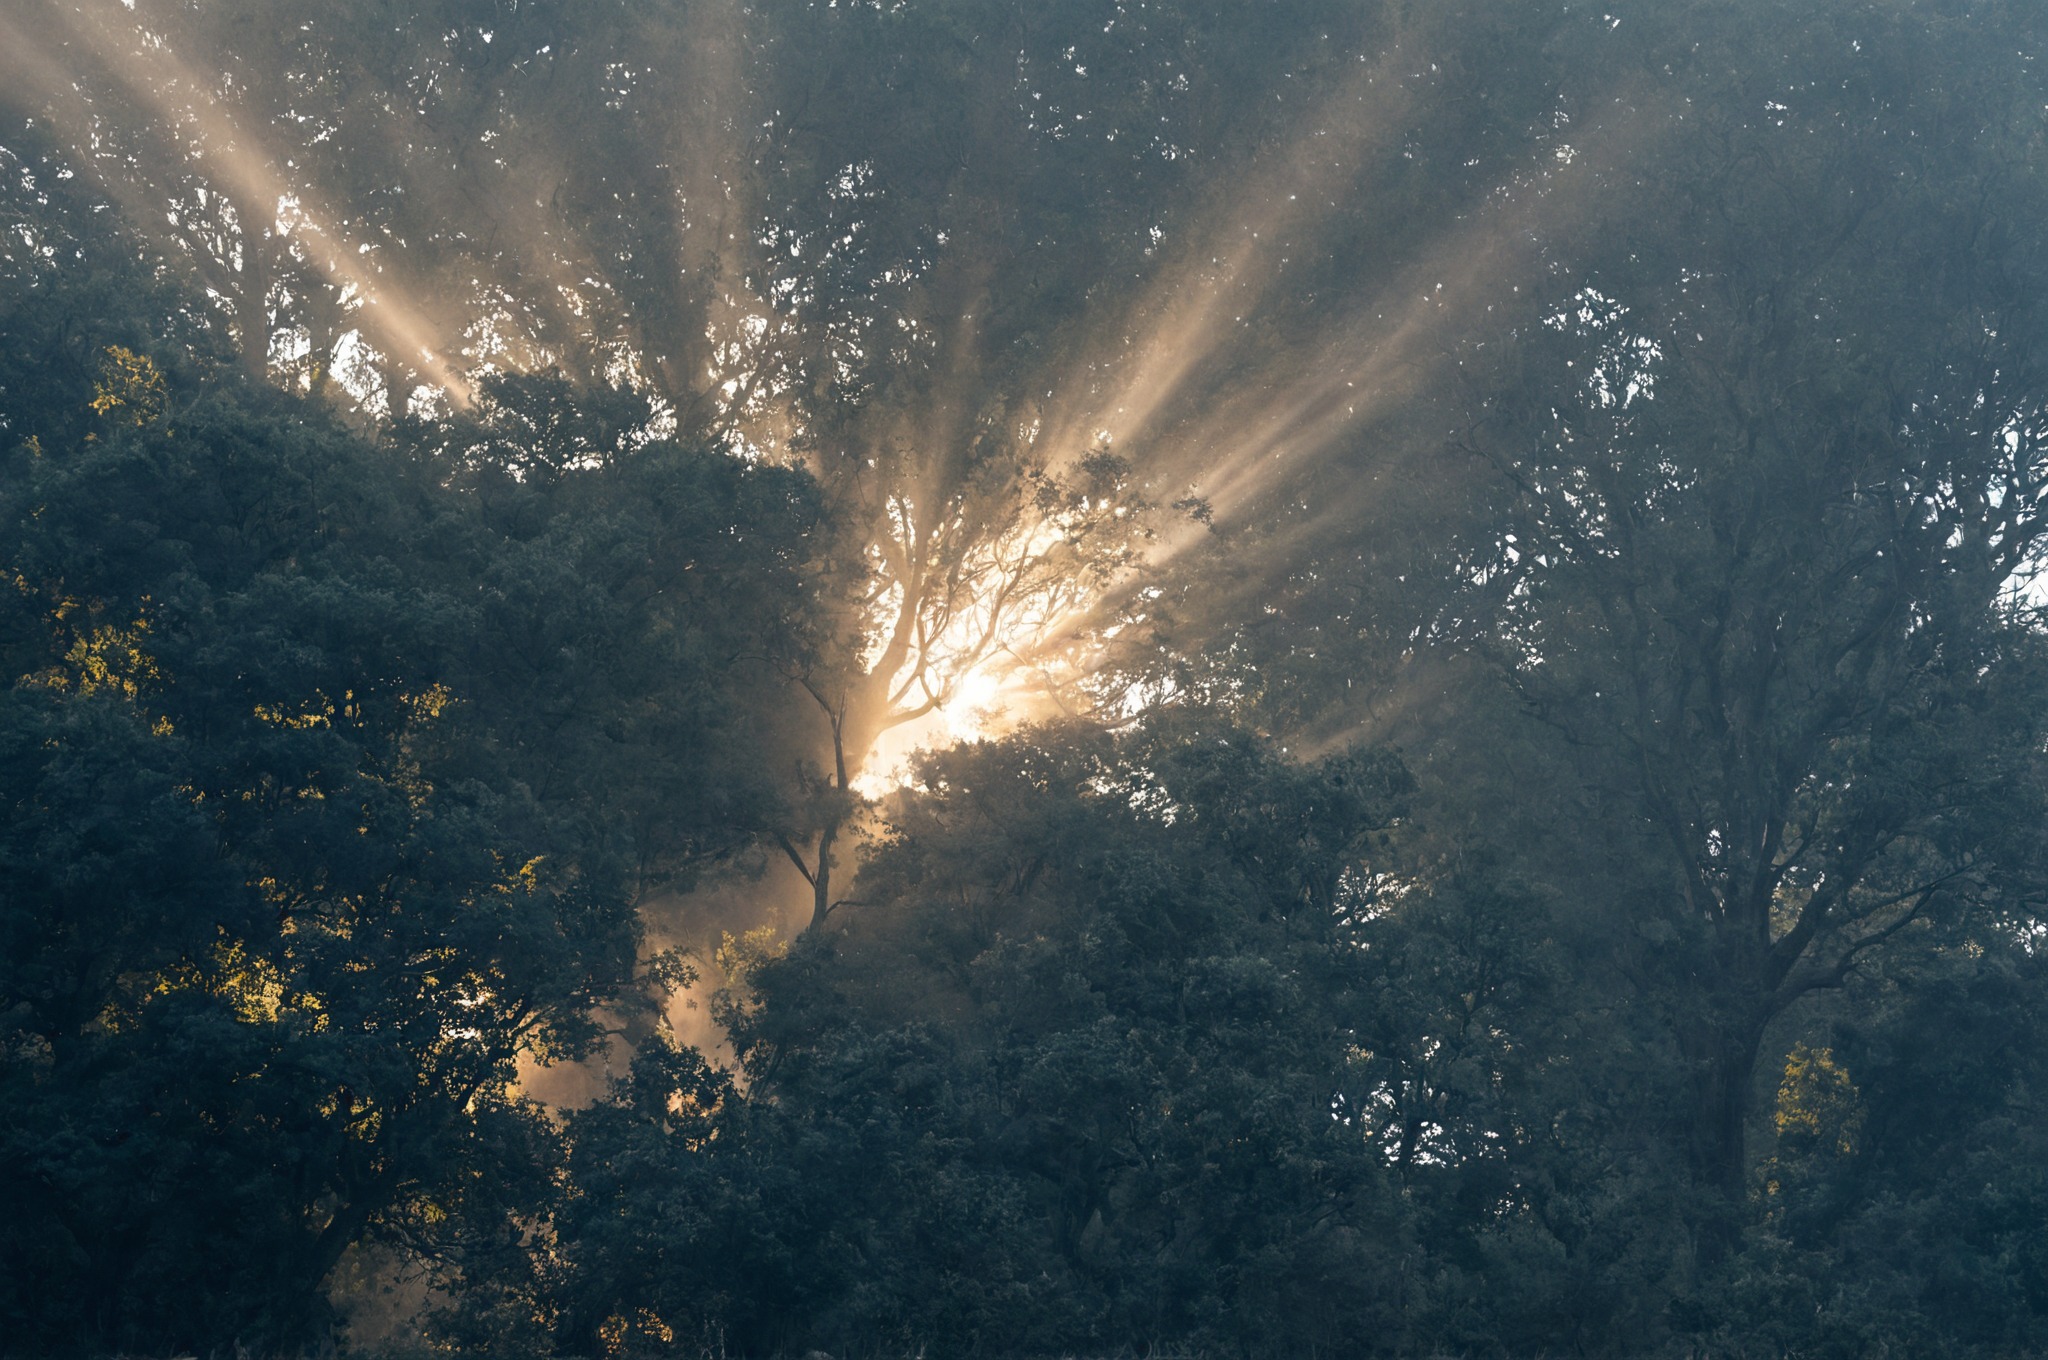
x: 821, y: 876
x: 1723, y: 1058
x: 254, y: 301
x: 1722, y: 1114
x: 819, y: 870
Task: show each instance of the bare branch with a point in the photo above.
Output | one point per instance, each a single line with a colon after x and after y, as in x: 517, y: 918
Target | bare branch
x: 796, y: 859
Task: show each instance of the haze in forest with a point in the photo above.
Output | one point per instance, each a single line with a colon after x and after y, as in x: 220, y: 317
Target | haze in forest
x: 882, y: 677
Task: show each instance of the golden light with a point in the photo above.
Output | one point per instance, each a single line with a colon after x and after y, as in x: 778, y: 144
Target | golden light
x: 1241, y: 443
x: 1171, y: 381
x: 447, y: 331
x: 155, y: 77
x: 1231, y: 263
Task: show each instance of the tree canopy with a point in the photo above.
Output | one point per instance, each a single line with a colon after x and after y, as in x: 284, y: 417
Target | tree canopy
x: 1380, y: 670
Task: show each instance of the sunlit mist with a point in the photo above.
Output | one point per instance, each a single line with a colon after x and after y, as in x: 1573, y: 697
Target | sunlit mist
x: 1210, y: 383
x: 1231, y: 446
x: 158, y: 79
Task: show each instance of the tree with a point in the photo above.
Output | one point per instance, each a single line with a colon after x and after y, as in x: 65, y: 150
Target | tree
x: 305, y: 852
x: 1064, y: 1083
x: 888, y: 309
x: 1769, y: 466
x: 632, y: 594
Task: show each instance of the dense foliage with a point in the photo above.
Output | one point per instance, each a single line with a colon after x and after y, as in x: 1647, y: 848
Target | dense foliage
x: 334, y: 774
x: 1509, y: 533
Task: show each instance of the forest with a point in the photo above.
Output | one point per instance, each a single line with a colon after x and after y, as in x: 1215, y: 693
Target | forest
x: 968, y: 678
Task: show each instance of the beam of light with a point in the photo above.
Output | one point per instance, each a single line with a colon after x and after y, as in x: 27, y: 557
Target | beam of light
x: 1193, y: 309
x: 40, y: 90
x: 518, y: 212
x: 1012, y: 661
x: 987, y: 666
x: 1247, y: 442
x: 727, y: 347
x: 154, y: 77
x: 1195, y: 314
x: 565, y: 285
x: 965, y: 591
x: 1369, y: 363
x: 504, y: 214
x: 1234, y: 444
x: 1379, y: 362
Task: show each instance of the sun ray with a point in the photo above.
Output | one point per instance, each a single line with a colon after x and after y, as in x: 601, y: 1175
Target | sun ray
x: 1245, y: 444
x: 155, y: 77
x: 1191, y: 311
x: 1362, y: 368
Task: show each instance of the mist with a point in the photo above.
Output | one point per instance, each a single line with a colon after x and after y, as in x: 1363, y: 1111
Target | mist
x: 1104, y: 678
